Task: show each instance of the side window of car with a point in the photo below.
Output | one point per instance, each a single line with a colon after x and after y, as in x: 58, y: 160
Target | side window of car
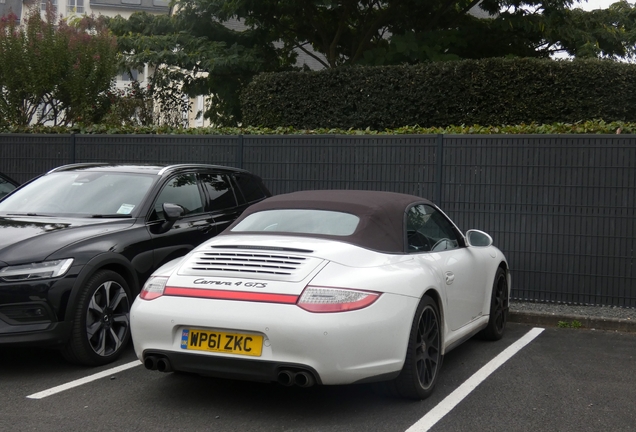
x: 182, y: 190
x: 219, y: 191
x: 250, y: 187
x: 428, y: 230
x: 5, y: 187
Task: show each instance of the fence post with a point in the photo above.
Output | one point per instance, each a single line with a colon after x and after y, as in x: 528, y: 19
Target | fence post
x: 239, y: 151
x: 72, y: 148
x: 439, y: 172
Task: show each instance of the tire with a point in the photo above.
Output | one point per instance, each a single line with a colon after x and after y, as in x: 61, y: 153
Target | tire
x: 101, y: 322
x: 499, y: 304
x: 423, y: 355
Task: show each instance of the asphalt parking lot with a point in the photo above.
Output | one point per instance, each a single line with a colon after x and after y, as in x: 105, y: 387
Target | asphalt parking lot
x: 562, y: 380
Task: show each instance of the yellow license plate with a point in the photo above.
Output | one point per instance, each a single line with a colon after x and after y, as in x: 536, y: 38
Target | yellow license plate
x: 229, y: 343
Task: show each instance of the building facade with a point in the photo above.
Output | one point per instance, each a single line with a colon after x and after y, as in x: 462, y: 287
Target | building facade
x: 9, y: 6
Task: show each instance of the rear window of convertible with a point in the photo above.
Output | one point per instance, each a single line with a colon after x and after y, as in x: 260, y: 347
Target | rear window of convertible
x: 300, y: 221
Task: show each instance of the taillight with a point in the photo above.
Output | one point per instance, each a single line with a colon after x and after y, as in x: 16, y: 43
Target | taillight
x: 153, y: 287
x: 323, y: 299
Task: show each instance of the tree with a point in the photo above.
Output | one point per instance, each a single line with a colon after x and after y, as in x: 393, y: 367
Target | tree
x: 197, y: 55
x: 398, y: 31
x: 52, y: 71
x: 195, y: 47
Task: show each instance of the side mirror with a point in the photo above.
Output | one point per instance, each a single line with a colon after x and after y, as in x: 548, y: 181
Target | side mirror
x: 478, y: 238
x: 172, y: 213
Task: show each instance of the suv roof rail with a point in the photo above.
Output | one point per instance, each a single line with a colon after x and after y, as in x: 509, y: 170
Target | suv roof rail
x: 162, y: 170
x: 175, y: 167
x: 76, y: 165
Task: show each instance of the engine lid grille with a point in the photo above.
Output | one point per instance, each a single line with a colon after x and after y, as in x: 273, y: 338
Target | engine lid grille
x: 250, y: 263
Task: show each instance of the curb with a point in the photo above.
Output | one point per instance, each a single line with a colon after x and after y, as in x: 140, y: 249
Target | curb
x: 592, y: 323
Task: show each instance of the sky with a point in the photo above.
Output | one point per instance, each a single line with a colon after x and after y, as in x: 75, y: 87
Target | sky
x: 588, y: 6
x: 595, y: 4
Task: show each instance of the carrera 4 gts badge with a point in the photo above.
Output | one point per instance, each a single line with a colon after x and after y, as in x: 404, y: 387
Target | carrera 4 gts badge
x: 228, y: 283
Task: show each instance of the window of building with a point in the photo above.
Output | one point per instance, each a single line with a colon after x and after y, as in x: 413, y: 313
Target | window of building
x: 75, y: 6
x: 199, y: 112
x: 44, y: 3
x: 133, y: 75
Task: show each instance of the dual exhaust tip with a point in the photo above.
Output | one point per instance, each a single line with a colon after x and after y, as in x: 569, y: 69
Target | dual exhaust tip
x: 161, y: 364
x: 288, y: 378
x: 285, y: 377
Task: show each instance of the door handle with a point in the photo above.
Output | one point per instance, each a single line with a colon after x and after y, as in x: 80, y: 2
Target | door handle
x: 450, y: 277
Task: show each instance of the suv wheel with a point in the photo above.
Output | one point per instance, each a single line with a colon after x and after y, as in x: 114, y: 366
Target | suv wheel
x: 101, y: 325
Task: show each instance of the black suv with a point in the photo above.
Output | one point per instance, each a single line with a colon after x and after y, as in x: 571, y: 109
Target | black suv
x: 78, y: 243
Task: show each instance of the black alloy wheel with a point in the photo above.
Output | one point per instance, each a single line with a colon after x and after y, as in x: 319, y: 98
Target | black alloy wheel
x: 423, y: 356
x: 427, y: 347
x: 101, y: 328
x: 499, y: 305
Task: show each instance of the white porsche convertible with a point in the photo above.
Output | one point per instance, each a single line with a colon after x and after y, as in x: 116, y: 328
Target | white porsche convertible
x: 325, y: 287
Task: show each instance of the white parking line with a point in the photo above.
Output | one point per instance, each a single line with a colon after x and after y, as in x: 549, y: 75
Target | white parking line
x: 451, y: 401
x: 84, y: 380
x: 423, y: 425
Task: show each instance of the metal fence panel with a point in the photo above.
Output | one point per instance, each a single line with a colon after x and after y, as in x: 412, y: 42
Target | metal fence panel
x: 24, y: 156
x: 209, y: 149
x: 561, y: 207
x: 295, y: 162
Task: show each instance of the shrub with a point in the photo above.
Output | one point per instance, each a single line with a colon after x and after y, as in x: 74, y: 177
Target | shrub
x: 486, y: 92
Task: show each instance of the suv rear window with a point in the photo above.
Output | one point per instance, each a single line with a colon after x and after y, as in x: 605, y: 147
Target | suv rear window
x: 219, y: 191
x: 250, y: 187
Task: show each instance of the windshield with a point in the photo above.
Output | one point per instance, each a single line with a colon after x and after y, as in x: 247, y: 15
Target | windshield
x: 300, y: 221
x: 81, y: 194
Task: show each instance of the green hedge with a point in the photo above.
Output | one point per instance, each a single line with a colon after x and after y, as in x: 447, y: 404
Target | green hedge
x: 485, y: 92
x: 588, y: 127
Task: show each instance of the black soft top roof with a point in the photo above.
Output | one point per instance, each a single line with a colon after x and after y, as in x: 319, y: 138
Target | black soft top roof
x: 381, y: 214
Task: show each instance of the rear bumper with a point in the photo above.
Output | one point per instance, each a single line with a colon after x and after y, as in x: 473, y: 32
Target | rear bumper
x: 338, y: 348
x: 231, y: 368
